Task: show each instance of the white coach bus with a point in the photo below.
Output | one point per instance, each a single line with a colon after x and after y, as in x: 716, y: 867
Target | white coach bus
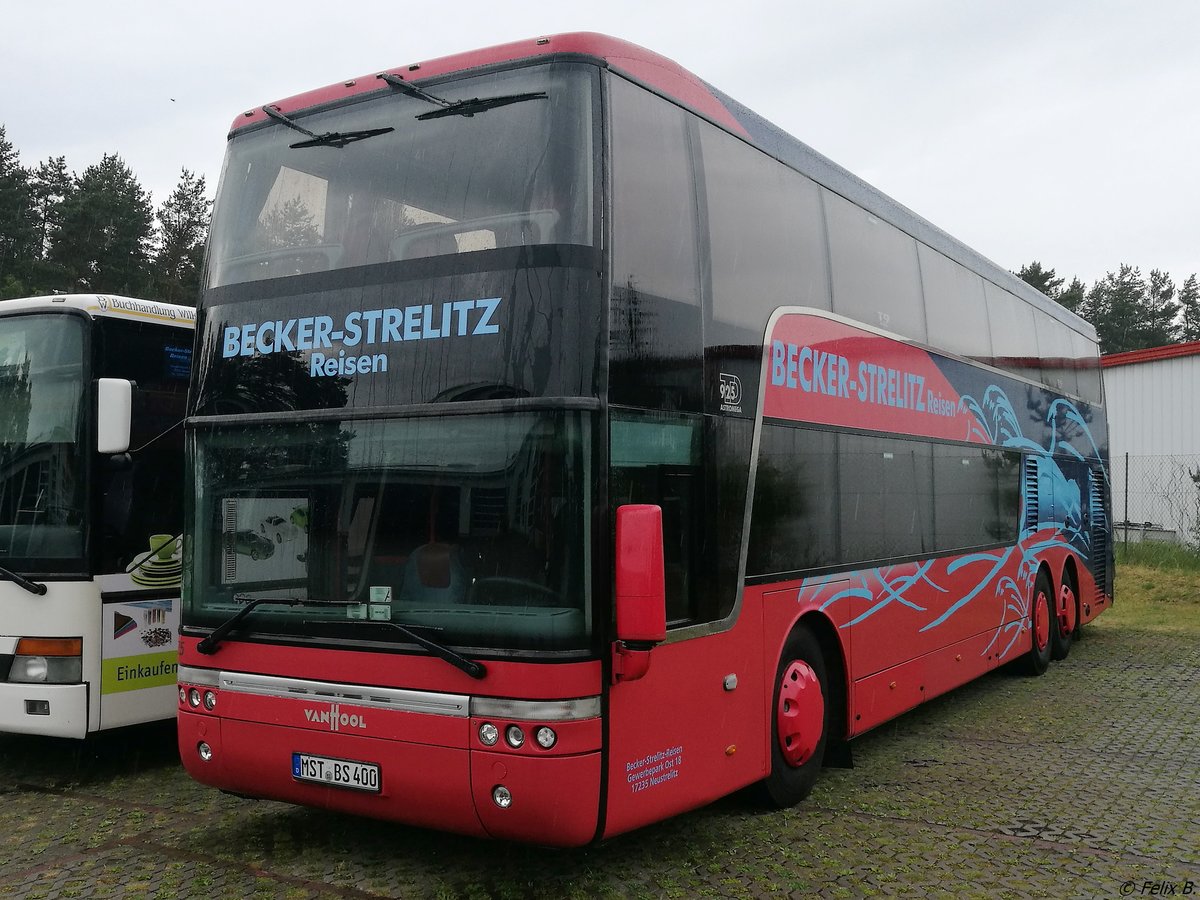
x: 92, y: 392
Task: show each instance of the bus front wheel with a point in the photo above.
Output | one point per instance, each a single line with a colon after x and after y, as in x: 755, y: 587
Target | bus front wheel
x: 800, y: 717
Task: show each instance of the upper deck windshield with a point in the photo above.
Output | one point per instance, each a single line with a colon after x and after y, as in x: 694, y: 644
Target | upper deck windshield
x: 470, y: 527
x: 41, y: 435
x: 510, y: 175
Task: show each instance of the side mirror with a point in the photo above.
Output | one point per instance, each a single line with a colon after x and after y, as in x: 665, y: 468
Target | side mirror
x: 640, y: 576
x: 114, y: 415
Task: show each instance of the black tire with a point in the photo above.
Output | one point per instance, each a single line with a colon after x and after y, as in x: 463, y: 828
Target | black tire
x: 1041, y: 624
x: 1066, y: 618
x: 791, y: 781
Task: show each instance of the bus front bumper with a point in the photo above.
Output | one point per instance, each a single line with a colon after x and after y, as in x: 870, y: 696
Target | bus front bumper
x: 554, y: 801
x: 54, y: 710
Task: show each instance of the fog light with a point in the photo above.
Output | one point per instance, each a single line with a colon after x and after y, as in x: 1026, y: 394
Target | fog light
x: 204, y: 750
x: 37, y: 707
x: 502, y: 796
x: 488, y: 734
x: 546, y: 737
x: 514, y: 735
x: 210, y: 700
x: 193, y: 697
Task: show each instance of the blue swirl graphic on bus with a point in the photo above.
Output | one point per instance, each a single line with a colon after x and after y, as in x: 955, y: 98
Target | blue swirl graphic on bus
x: 1051, y: 517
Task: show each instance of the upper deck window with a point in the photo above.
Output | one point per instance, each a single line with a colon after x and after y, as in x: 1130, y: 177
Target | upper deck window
x: 514, y: 174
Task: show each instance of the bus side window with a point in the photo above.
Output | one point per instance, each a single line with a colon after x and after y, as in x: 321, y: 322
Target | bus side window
x: 143, y: 494
x: 655, y: 317
x: 655, y: 458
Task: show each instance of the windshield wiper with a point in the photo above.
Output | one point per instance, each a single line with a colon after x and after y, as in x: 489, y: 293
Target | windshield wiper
x: 475, y: 669
x: 20, y: 580
x: 209, y: 645
x: 466, y: 108
x: 337, y: 139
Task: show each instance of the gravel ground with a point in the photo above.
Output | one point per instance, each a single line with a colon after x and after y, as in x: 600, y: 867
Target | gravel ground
x: 1082, y: 783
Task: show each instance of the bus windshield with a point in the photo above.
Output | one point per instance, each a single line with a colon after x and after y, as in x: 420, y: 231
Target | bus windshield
x: 493, y: 175
x: 469, y: 526
x: 41, y: 459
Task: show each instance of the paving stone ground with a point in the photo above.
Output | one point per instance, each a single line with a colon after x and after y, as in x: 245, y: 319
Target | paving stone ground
x: 1082, y: 783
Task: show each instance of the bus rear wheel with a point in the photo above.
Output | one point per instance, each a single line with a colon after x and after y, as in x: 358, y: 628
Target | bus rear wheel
x: 800, y: 717
x: 1066, y: 620
x: 1042, y: 625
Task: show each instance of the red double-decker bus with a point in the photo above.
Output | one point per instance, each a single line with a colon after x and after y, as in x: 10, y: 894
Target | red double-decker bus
x: 571, y: 447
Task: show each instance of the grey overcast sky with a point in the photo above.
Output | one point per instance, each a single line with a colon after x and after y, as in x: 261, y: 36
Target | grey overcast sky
x: 1066, y: 131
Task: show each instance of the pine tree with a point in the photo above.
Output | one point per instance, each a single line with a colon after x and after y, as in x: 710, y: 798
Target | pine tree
x: 182, y: 230
x: 103, y: 240
x: 16, y: 222
x: 1189, y: 306
x: 1158, y: 323
x: 1051, y: 284
x: 1045, y: 280
x: 1115, y: 306
x: 51, y: 184
x: 1072, y: 296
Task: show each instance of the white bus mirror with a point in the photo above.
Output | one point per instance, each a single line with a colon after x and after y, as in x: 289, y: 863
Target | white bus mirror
x: 114, y: 408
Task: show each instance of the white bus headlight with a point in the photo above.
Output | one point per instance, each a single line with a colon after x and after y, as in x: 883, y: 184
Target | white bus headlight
x: 47, y: 661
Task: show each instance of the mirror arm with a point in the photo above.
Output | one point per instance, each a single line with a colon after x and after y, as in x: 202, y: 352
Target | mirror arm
x: 629, y: 661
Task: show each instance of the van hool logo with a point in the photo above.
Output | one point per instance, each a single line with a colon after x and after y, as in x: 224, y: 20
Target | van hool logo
x: 335, y: 718
x: 731, y: 393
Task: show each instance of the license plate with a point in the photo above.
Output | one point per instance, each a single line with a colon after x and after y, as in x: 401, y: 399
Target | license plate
x: 344, y: 773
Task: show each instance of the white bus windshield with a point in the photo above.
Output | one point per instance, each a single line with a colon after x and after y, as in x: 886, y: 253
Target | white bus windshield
x: 41, y: 461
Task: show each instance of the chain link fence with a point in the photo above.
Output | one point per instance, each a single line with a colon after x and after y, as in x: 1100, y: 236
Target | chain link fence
x: 1156, y: 500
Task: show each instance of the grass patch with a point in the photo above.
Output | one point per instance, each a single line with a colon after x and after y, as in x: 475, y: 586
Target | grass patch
x: 1158, y: 597
x: 1174, y: 557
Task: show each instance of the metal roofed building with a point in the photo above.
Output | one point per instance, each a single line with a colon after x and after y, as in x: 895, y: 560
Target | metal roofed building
x: 1154, y: 433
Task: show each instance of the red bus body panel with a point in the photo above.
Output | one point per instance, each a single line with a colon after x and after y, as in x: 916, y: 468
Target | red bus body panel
x: 435, y: 772
x: 679, y: 737
x: 660, y: 73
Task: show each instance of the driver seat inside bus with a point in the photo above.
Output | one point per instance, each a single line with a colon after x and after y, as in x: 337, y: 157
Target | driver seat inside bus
x: 434, y: 573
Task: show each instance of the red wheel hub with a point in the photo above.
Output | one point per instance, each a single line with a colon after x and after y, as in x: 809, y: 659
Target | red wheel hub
x: 1041, y: 620
x: 1066, y: 610
x: 800, y: 716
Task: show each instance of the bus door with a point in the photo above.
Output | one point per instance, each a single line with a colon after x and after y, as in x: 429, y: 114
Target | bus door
x: 689, y: 728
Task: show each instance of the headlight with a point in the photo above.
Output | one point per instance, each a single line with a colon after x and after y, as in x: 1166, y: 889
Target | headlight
x: 47, y: 670
x: 488, y: 734
x: 47, y: 661
x: 32, y: 669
